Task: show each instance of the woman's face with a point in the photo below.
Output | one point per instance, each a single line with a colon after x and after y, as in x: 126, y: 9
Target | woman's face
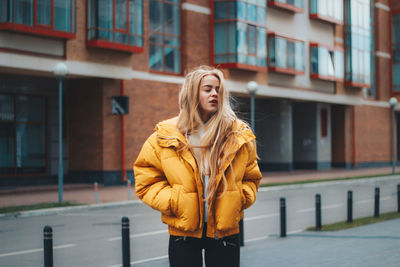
x: 208, y: 96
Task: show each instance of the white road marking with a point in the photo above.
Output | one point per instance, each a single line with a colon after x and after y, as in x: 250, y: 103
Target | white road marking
x: 140, y: 235
x: 143, y: 261
x: 34, y: 250
x: 364, y: 201
x: 261, y: 217
x: 257, y: 238
x: 333, y: 206
x: 295, y: 232
x: 269, y: 236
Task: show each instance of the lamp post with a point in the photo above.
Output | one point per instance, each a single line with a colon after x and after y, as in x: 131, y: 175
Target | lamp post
x: 60, y: 71
x: 252, y: 89
x: 393, y: 103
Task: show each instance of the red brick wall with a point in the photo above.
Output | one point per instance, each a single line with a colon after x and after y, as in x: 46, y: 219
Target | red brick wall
x: 196, y: 41
x: 339, y: 34
x: 395, y: 4
x: 111, y: 127
x: 342, y: 134
x: 383, y: 44
x: 85, y: 125
x: 373, y: 134
x: 150, y: 102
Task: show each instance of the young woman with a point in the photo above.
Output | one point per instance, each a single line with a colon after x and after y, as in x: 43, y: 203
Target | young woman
x: 200, y: 171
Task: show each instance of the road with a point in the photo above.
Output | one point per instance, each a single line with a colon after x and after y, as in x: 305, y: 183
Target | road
x: 93, y: 237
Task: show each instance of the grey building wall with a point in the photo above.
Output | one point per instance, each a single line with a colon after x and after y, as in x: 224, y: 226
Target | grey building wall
x: 304, y: 135
x: 310, y: 149
x: 274, y: 133
x: 324, y: 144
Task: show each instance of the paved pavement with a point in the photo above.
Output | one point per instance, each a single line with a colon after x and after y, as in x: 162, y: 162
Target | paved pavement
x: 367, y: 246
x: 84, y: 193
x: 372, y: 245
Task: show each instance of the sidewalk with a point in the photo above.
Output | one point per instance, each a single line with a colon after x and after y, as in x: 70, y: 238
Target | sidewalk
x: 84, y: 193
x: 370, y: 245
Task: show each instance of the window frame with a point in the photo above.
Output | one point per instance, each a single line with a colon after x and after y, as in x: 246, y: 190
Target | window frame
x: 15, y: 123
x: 330, y: 49
x: 98, y: 43
x: 323, y: 18
x: 166, y: 34
x: 351, y: 82
x: 276, y: 69
x: 285, y: 6
x: 392, y: 50
x: 236, y: 65
x: 40, y: 29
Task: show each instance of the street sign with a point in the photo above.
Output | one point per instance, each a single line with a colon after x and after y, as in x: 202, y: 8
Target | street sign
x: 120, y: 105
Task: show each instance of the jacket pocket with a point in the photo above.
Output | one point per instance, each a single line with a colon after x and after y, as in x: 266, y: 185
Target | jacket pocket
x: 175, y: 196
x: 227, y: 210
x: 187, y: 214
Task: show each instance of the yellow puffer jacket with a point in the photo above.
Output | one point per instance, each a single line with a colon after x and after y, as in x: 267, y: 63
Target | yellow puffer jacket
x: 167, y: 179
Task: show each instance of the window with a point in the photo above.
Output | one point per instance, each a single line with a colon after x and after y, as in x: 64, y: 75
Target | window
x: 22, y: 134
x: 165, y: 43
x: 54, y: 18
x: 116, y: 24
x: 359, y: 44
x: 286, y: 55
x: 240, y: 34
x: 396, y: 52
x: 327, y: 10
x: 326, y: 63
x: 290, y: 5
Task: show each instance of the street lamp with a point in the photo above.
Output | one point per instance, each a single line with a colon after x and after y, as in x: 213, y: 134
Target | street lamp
x: 60, y: 71
x: 393, y: 103
x: 252, y: 89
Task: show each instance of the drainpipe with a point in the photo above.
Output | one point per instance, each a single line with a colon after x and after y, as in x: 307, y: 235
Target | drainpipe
x: 123, y: 136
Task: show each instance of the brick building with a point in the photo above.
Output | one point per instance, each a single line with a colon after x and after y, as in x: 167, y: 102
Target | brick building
x: 325, y: 68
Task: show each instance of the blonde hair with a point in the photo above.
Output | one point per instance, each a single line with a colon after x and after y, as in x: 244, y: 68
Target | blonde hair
x: 218, y: 138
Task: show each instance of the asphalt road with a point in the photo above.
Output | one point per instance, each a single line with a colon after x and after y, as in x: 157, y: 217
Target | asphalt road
x: 93, y: 237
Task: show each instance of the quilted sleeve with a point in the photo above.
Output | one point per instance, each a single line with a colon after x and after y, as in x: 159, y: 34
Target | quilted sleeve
x: 150, y: 183
x: 252, y: 176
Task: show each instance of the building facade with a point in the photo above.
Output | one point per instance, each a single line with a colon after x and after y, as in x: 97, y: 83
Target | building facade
x: 325, y: 68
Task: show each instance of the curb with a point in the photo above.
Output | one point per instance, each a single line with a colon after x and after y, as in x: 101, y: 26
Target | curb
x: 320, y: 183
x: 53, y: 211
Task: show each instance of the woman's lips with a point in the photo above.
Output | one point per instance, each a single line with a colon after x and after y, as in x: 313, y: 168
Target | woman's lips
x: 214, y: 102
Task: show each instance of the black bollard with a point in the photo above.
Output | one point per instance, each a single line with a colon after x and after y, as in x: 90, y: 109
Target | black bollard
x: 349, y: 206
x: 283, y: 216
x: 126, y: 252
x: 318, y: 212
x: 241, y: 233
x: 398, y: 198
x: 376, y: 214
x: 48, y: 246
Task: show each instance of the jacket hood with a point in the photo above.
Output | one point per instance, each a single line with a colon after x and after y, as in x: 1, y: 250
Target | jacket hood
x: 167, y: 130
x: 169, y: 135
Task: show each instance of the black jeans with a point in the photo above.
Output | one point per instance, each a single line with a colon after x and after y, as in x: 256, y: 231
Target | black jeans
x: 187, y: 251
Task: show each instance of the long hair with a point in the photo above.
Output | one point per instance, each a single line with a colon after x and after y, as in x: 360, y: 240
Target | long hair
x: 218, y: 138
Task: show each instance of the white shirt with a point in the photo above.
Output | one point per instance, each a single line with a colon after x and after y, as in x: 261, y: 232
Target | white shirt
x: 194, y: 140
